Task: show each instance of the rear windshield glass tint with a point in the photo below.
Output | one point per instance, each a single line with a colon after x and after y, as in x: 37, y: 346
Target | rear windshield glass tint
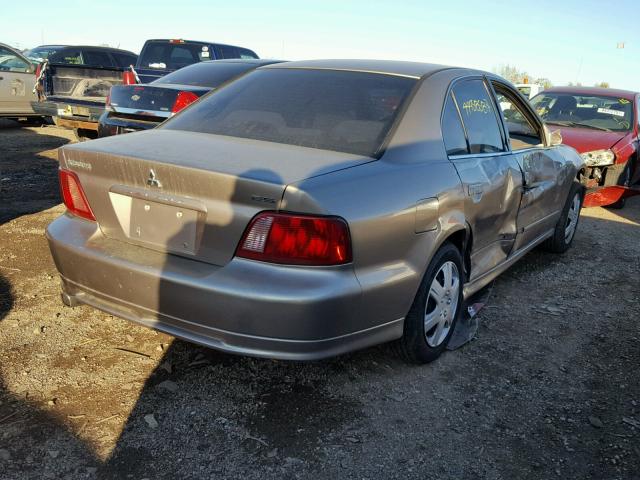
x: 342, y: 111
x: 209, y: 74
x: 165, y: 55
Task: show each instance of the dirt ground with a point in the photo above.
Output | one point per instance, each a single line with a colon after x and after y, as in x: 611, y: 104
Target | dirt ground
x: 550, y: 388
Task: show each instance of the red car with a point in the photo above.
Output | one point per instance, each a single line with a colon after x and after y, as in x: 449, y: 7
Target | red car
x: 602, y: 125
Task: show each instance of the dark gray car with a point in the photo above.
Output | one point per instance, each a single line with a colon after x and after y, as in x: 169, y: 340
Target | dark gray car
x: 313, y: 208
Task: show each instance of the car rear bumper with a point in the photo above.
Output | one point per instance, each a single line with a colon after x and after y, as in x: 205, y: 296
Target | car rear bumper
x: 113, y: 125
x: 245, y: 307
x: 72, y: 113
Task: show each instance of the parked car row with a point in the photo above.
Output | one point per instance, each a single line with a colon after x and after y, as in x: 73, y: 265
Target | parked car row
x: 73, y: 82
x: 142, y: 106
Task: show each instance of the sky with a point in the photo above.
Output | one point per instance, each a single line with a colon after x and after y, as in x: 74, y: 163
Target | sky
x: 563, y: 40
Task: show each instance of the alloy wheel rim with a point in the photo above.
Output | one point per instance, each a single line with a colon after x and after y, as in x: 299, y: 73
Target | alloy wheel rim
x: 572, y: 218
x: 442, y: 304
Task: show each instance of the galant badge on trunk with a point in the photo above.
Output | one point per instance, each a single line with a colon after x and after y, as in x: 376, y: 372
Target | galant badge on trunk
x: 152, y: 181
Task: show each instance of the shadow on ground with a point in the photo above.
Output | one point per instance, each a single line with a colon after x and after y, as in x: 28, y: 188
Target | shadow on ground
x: 28, y: 176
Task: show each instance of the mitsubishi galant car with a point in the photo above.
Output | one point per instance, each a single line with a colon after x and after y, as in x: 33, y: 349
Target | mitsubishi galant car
x: 313, y: 208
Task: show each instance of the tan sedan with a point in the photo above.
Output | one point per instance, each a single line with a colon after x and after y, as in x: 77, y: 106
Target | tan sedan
x: 313, y: 208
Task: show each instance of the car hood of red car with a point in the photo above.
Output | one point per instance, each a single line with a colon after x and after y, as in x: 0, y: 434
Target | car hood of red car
x: 587, y: 139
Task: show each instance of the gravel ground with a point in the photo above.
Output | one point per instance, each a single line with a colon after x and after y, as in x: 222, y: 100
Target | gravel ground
x: 549, y: 388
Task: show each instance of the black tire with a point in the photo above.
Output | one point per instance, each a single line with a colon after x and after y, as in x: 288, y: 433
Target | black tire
x: 559, y: 243
x: 83, y: 135
x: 413, y: 346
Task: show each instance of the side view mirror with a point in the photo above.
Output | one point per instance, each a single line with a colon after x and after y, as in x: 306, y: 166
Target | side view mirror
x: 555, y: 138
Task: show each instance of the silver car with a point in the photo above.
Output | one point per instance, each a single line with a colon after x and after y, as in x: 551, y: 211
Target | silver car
x: 17, y: 78
x: 313, y: 208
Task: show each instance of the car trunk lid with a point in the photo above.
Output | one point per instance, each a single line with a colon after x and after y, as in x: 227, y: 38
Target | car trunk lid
x: 148, y: 102
x: 187, y: 193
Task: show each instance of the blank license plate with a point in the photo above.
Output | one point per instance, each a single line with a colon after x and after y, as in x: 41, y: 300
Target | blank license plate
x: 166, y: 226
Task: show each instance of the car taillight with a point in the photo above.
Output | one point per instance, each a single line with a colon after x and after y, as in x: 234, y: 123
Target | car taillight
x: 296, y: 240
x: 182, y: 100
x: 74, y: 198
x: 107, y: 102
x: 128, y: 78
x: 38, y: 70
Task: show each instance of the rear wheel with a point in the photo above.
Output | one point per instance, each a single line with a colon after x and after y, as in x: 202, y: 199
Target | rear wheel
x: 436, y: 308
x: 567, y: 223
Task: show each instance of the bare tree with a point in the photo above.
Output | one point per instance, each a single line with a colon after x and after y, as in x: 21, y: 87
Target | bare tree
x: 602, y: 85
x: 514, y: 75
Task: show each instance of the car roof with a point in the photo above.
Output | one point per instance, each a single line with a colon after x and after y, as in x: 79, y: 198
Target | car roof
x: 609, y: 92
x: 95, y: 47
x: 194, y: 41
x: 251, y: 61
x: 49, y: 46
x: 389, y: 67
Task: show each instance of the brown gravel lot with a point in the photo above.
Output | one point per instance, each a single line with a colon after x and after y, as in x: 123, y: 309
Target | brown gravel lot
x: 550, y: 388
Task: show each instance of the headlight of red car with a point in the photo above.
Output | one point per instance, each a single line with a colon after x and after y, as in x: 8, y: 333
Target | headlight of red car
x: 598, y: 158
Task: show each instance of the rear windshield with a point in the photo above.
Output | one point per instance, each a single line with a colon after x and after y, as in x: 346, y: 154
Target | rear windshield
x: 165, y: 55
x: 332, y: 110
x: 207, y: 74
x: 598, y: 112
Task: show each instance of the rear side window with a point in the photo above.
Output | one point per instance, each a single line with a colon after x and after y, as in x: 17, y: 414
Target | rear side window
x: 453, y: 135
x: 207, y: 74
x: 332, y: 110
x: 97, y: 58
x: 67, y: 57
x: 479, y: 116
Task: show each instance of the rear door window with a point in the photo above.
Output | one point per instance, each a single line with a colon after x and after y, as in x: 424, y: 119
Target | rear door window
x: 455, y: 140
x: 479, y: 116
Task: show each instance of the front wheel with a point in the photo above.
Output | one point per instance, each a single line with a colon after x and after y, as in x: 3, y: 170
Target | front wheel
x: 568, y: 222
x: 436, y: 308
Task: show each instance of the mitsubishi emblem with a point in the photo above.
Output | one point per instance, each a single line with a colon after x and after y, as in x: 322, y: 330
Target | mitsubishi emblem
x: 152, y: 181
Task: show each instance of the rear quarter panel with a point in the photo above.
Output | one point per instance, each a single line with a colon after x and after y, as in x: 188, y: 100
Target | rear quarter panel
x: 393, y: 236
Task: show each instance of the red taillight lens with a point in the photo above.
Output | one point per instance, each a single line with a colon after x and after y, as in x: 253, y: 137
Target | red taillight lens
x: 128, y: 78
x: 296, y: 240
x: 73, y: 195
x: 38, y: 70
x: 182, y: 100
